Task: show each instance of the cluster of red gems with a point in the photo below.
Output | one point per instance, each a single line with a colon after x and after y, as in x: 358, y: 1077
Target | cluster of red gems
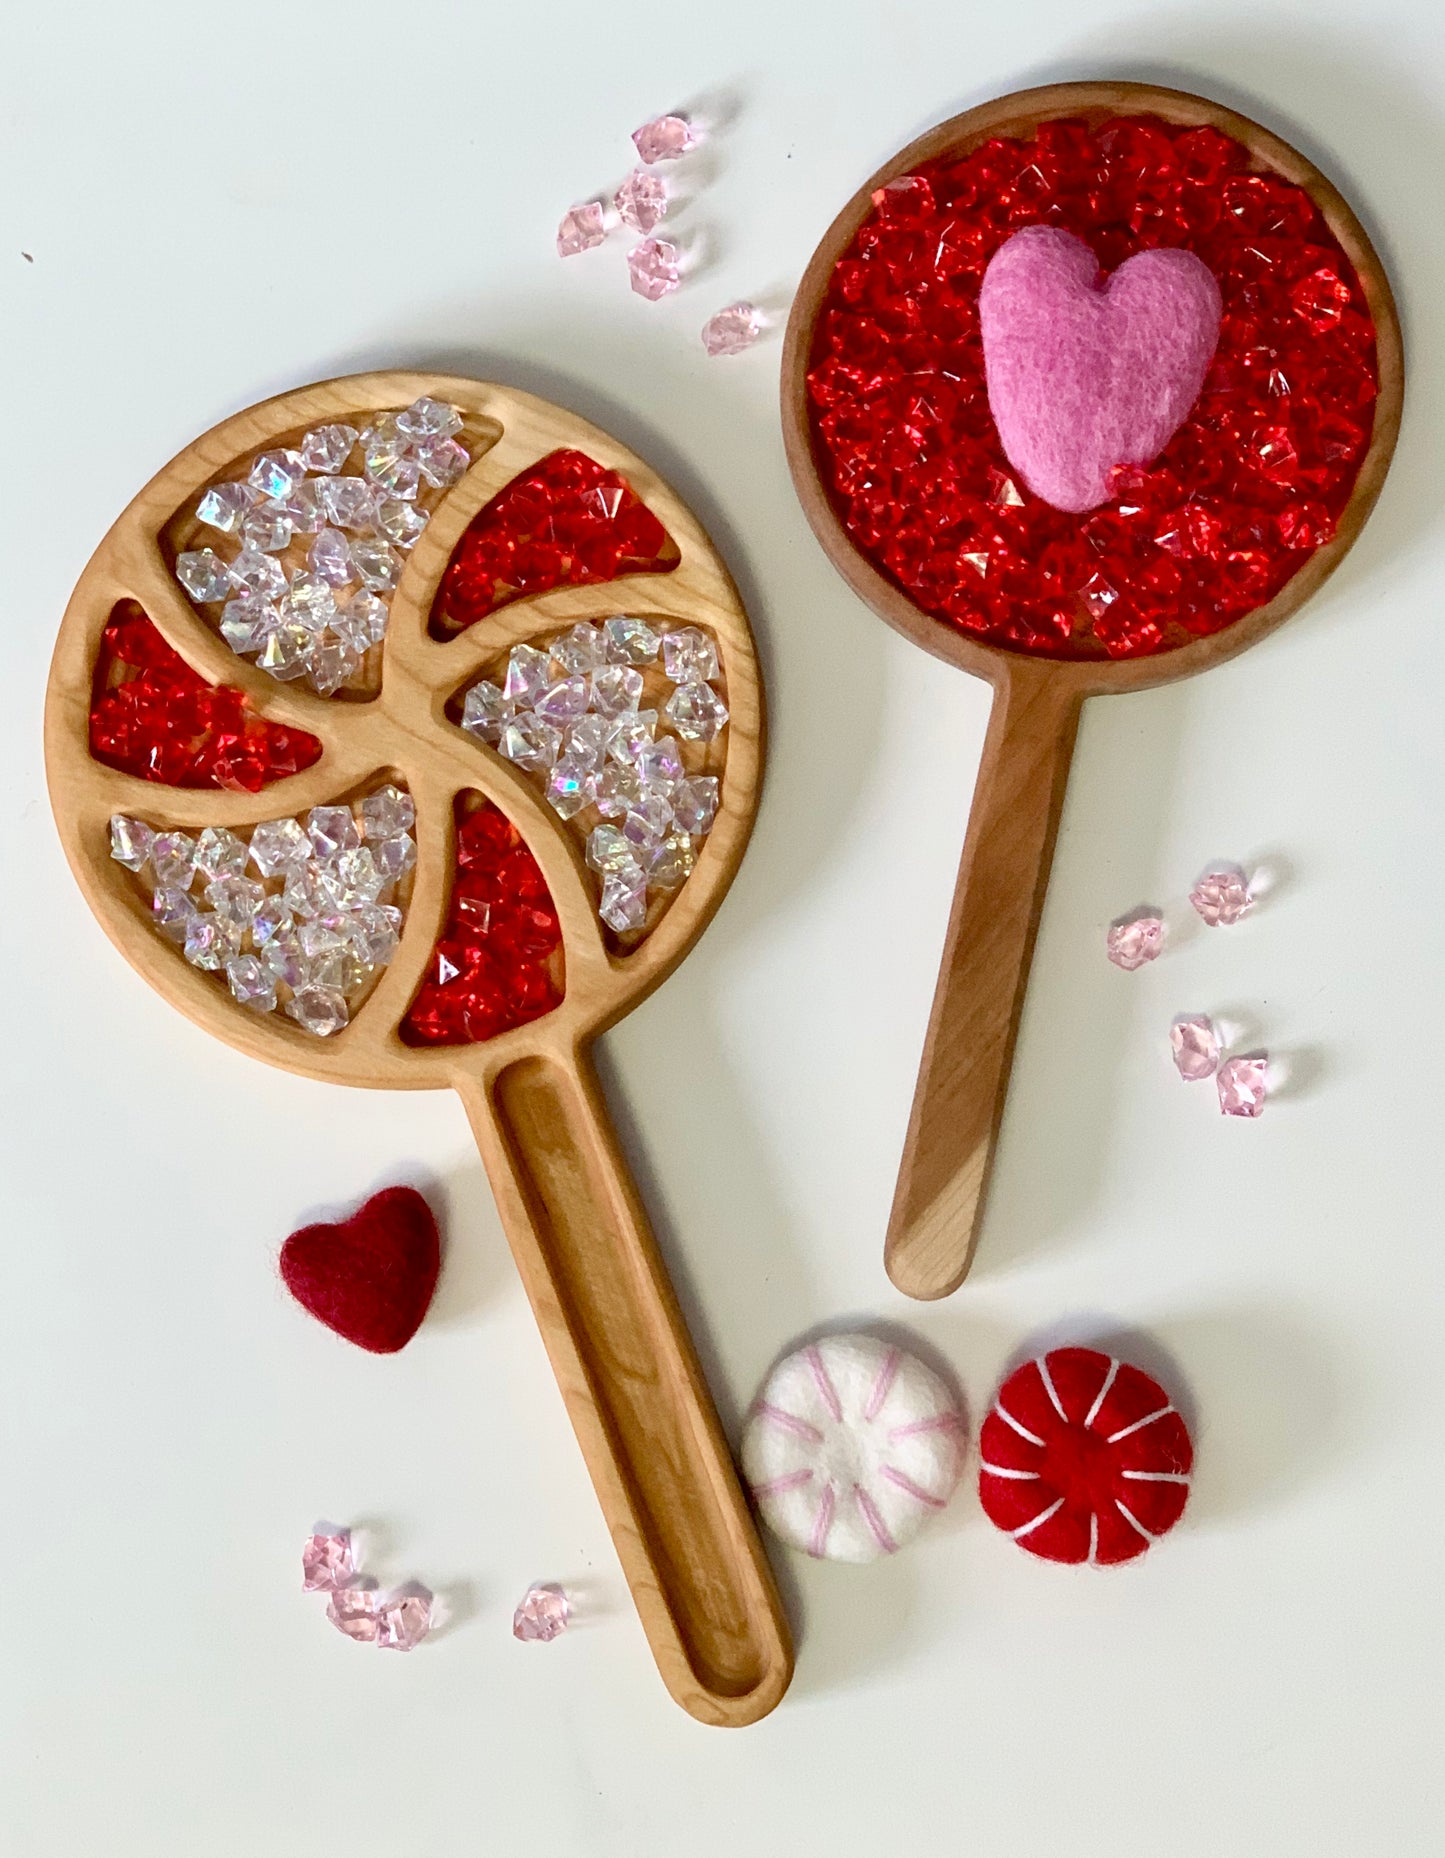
x: 566, y: 522
x: 153, y: 716
x: 492, y: 967
x: 1250, y: 485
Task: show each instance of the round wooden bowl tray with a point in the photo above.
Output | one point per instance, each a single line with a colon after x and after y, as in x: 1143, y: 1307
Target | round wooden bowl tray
x: 572, y: 1214
x: 963, y: 1077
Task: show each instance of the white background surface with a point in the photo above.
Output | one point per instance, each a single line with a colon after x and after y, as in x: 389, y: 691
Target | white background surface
x: 221, y: 203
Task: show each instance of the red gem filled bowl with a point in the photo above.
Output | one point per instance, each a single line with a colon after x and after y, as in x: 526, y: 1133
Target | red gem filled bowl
x: 1250, y: 485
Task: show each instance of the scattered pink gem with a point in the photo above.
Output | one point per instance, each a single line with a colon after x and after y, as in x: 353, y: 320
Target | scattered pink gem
x: 641, y: 200
x: 664, y: 139
x: 581, y: 229
x: 1243, y: 1085
x: 1135, y: 939
x: 356, y: 1611
x: 732, y: 330
x: 542, y: 1614
x: 326, y: 1559
x: 405, y: 1620
x: 654, y: 268
x: 1222, y: 895
x: 1195, y: 1045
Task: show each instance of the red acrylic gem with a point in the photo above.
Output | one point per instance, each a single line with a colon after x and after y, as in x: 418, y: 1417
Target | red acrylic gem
x: 1255, y: 479
x: 565, y: 522
x: 151, y: 715
x: 493, y: 967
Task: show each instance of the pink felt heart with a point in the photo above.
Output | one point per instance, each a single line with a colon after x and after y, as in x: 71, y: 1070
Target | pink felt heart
x: 1085, y: 372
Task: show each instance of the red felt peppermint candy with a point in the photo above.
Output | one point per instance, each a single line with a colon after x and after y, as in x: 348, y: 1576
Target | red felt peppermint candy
x: 1084, y: 1458
x: 370, y: 1277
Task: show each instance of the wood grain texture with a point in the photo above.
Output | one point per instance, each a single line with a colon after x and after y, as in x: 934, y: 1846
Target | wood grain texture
x: 624, y: 1360
x: 962, y: 1086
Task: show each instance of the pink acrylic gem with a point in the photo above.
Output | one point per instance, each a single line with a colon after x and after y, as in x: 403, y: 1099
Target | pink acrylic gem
x: 1243, y: 1085
x: 732, y: 330
x: 326, y: 1559
x: 405, y: 1620
x: 356, y: 1611
x: 664, y: 139
x: 581, y: 229
x: 1135, y: 939
x: 1195, y: 1045
x: 641, y: 200
x: 654, y: 268
x: 1222, y: 895
x: 542, y: 1614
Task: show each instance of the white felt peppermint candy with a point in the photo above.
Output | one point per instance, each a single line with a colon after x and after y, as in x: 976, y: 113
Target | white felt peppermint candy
x: 850, y: 1447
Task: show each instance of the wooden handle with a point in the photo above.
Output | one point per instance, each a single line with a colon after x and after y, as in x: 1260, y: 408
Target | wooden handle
x: 633, y: 1388
x: 963, y: 1079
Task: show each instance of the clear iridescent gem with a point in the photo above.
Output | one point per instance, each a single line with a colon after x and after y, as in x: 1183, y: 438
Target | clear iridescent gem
x: 580, y: 650
x: 211, y: 940
x: 624, y: 899
x: 172, y: 912
x: 320, y: 1011
x: 394, y: 858
x: 173, y: 859
x: 627, y: 640
x: 609, y: 849
x: 310, y: 601
x: 282, y: 956
x: 428, y: 419
x: 377, y: 562
x: 569, y: 786
x: 301, y: 509
x: 527, y: 676
x: 530, y: 742
x: 332, y: 829
x: 671, y: 862
x: 694, y: 803
x: 266, y: 528
x: 327, y: 448
x: 616, y: 689
x: 252, y: 984
x: 224, y: 505
x: 220, y: 853
x: 205, y: 577
x: 330, y: 557
x: 362, y: 621
x: 659, y: 765
x: 286, y: 651
x: 130, y: 842
x: 272, y: 916
x: 279, y: 846
x: 697, y: 712
x: 564, y: 701
x: 235, y: 899
x: 259, y: 573
x: 387, y: 813
x: 348, y: 503
x: 332, y: 666
x: 400, y: 522
x: 246, y: 620
x: 589, y: 738
x: 486, y: 712
x: 689, y: 656
x: 631, y: 733
x: 442, y: 461
x: 618, y: 790
x: 276, y: 474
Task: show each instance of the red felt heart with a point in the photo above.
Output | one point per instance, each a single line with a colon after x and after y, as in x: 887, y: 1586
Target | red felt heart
x: 370, y: 1277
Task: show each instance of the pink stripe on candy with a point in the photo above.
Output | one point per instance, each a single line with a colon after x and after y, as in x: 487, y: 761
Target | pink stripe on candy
x: 887, y: 1374
x: 907, y: 1483
x: 874, y: 1521
x: 940, y: 1422
x: 789, y: 1422
x: 827, y: 1504
x: 776, y: 1486
x: 826, y: 1390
